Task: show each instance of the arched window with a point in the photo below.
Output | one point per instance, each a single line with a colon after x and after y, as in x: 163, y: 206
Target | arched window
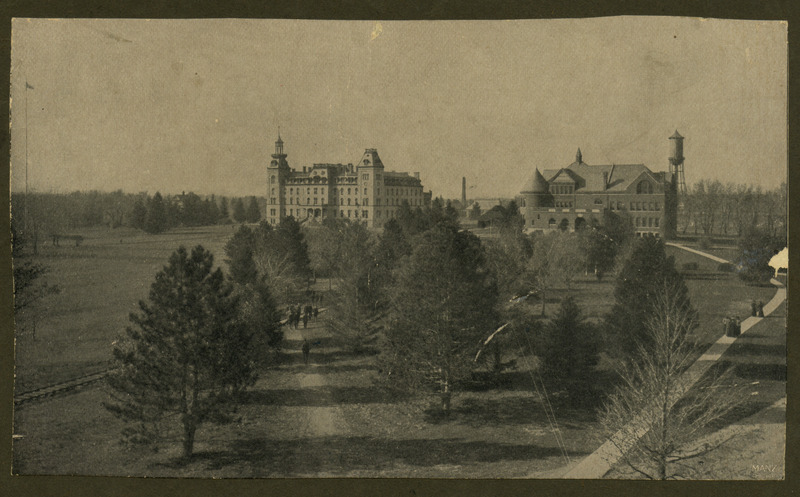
x: 551, y: 223
x: 644, y: 186
x: 564, y: 224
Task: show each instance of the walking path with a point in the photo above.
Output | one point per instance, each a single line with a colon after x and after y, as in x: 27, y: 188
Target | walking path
x: 598, y: 463
x: 320, y: 421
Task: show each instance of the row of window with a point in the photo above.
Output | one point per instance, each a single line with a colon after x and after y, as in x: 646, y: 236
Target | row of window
x: 350, y: 213
x: 324, y: 201
x: 636, y: 206
x: 563, y: 204
x: 389, y: 191
x: 561, y: 189
x: 646, y: 222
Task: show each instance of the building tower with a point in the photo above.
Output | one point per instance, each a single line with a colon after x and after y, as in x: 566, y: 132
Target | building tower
x: 676, y: 162
x: 463, y: 192
x: 277, y: 172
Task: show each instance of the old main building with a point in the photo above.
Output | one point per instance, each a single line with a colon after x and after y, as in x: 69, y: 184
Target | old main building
x: 579, y: 194
x: 364, y: 191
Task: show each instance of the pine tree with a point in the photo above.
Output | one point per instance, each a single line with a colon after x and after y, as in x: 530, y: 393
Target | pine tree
x: 353, y: 314
x: 569, y: 353
x: 253, y: 214
x: 187, y: 356
x: 239, y: 252
x: 239, y: 214
x: 393, y: 244
x: 138, y: 214
x: 646, y: 272
x: 292, y: 242
x: 156, y: 221
x: 224, y: 214
x: 442, y: 305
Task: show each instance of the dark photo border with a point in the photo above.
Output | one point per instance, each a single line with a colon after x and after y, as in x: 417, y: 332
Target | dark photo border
x: 385, y: 10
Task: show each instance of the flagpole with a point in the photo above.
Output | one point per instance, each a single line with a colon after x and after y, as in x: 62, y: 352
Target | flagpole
x: 27, y: 198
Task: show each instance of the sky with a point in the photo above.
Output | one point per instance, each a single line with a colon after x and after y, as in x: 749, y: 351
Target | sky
x: 196, y: 105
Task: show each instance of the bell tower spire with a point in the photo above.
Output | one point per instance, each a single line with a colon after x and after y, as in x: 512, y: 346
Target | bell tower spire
x: 579, y: 156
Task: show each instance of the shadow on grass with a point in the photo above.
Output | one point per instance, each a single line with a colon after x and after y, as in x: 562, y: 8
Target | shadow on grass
x: 322, y: 396
x: 749, y: 372
x: 509, y: 411
x: 705, y: 276
x: 776, y: 351
x: 341, y: 454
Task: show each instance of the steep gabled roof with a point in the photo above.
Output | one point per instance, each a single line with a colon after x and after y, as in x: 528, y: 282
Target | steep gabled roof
x: 590, y: 178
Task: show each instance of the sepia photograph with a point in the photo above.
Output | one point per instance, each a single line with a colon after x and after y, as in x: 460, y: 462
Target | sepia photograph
x: 517, y: 249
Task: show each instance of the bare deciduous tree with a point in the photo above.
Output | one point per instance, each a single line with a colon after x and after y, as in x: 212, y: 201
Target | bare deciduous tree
x: 660, y: 409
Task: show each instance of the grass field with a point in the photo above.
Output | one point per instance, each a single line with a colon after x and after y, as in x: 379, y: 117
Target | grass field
x: 101, y: 282
x: 325, y: 419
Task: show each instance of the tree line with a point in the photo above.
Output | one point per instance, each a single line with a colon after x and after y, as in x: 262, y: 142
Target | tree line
x: 51, y: 213
x: 716, y: 208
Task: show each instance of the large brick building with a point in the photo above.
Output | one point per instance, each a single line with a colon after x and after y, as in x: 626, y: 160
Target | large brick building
x: 578, y: 195
x: 364, y: 191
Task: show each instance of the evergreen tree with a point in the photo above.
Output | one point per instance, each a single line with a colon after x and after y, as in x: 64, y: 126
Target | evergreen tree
x: 352, y: 315
x: 29, y: 286
x: 138, y: 214
x: 253, y: 214
x: 647, y: 271
x: 442, y: 305
x: 569, y: 353
x: 156, y: 221
x: 292, y: 243
x: 393, y: 244
x: 224, y: 214
x: 239, y: 214
x: 239, y: 252
x: 191, y: 212
x: 187, y: 355
x: 211, y: 211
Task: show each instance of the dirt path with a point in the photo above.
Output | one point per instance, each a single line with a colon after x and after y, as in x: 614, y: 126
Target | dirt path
x: 321, y: 420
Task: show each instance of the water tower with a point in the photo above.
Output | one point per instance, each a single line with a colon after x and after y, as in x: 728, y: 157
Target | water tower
x: 676, y: 161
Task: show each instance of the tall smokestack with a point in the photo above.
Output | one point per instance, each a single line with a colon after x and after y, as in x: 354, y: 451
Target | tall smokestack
x: 463, y: 192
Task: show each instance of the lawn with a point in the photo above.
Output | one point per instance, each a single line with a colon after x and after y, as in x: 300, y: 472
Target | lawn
x: 716, y: 294
x: 101, y: 281
x: 325, y: 419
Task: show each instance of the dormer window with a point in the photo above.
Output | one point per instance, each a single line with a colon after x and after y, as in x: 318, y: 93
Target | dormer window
x: 644, y: 187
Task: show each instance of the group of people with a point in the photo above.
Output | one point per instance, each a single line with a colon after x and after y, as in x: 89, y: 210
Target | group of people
x: 757, y: 309
x: 304, y: 314
x: 731, y: 326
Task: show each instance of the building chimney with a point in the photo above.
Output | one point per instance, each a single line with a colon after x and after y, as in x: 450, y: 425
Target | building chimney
x: 416, y: 175
x: 605, y: 180
x: 463, y: 192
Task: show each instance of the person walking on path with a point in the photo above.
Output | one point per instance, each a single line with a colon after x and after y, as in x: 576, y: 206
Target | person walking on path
x: 760, y: 309
x: 753, y: 308
x: 726, y: 328
x: 306, y: 351
x: 305, y: 321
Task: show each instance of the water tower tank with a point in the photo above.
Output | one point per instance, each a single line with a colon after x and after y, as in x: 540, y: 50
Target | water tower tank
x: 676, y: 155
